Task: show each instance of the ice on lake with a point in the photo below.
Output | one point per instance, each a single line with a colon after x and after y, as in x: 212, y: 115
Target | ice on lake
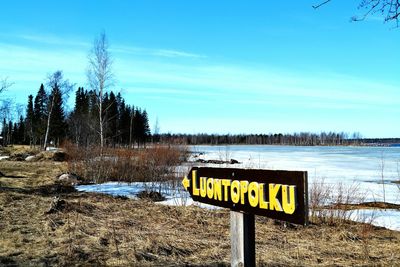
x: 364, y: 166
x: 361, y: 166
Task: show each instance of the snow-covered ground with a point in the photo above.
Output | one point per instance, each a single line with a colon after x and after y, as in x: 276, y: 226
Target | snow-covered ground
x: 388, y: 218
x: 363, y: 167
x: 174, y: 196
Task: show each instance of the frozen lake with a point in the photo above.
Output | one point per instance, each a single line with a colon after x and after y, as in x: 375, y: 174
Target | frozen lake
x: 363, y: 166
x: 360, y: 166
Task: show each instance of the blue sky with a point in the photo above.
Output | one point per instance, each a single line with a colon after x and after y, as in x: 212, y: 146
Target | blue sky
x: 218, y: 66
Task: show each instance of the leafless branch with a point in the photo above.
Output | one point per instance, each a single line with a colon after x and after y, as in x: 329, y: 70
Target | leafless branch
x: 321, y: 4
x: 57, y: 79
x: 4, y: 84
x: 371, y: 9
x: 388, y: 9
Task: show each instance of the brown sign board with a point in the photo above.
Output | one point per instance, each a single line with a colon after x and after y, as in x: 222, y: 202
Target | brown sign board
x: 281, y: 195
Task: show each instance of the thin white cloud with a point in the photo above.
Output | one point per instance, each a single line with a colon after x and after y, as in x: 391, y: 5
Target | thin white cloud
x: 141, y: 51
x: 174, y: 53
x: 54, y: 40
x: 235, y: 84
x: 125, y: 49
x: 248, y: 84
x: 163, y: 91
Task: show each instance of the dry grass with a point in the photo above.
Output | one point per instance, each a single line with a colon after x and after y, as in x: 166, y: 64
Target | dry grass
x: 19, y: 149
x: 94, y: 229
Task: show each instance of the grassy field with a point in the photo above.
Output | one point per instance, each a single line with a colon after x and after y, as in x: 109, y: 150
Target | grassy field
x: 94, y: 229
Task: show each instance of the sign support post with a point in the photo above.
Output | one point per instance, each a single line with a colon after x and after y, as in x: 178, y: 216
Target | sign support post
x: 243, y: 246
x: 249, y: 226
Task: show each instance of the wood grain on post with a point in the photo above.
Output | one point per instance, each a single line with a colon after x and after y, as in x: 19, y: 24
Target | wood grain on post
x: 237, y: 240
x: 242, y: 239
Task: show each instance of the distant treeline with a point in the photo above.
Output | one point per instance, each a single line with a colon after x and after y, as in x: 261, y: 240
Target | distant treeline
x: 296, y: 139
x: 380, y: 141
x: 45, y: 115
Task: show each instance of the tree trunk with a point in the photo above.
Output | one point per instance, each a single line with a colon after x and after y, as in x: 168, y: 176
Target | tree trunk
x: 48, y: 124
x: 101, y: 120
x: 130, y: 132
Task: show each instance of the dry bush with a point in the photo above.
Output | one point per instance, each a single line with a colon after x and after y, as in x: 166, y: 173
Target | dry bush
x: 154, y: 165
x: 333, y: 203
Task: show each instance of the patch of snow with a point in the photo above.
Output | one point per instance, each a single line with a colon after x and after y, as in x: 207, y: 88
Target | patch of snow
x: 389, y: 218
x: 30, y: 158
x: 173, y: 196
x: 4, y: 157
x: 114, y: 188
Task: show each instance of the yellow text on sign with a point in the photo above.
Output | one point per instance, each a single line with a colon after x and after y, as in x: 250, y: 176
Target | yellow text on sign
x: 275, y: 197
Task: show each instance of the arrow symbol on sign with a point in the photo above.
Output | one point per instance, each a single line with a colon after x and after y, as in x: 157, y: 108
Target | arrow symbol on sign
x: 186, y: 183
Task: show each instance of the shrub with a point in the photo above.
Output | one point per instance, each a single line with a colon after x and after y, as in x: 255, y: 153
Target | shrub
x: 333, y: 203
x: 153, y: 165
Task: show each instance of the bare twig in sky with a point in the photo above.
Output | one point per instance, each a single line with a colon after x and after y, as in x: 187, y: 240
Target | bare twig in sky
x: 321, y: 4
x: 388, y: 9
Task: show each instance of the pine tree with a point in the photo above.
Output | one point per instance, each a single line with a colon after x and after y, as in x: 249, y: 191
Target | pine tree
x: 14, y: 134
x: 112, y: 115
x: 141, y: 127
x: 40, y: 114
x: 120, y: 103
x: 137, y: 126
x: 124, y: 122
x: 131, y: 126
x: 79, y: 118
x: 21, y: 131
x: 4, y: 132
x: 146, y: 127
x: 57, y: 131
x: 81, y: 102
x: 93, y: 121
x: 75, y: 122
x: 30, y: 120
x: 120, y: 108
x: 10, y: 133
x: 92, y: 104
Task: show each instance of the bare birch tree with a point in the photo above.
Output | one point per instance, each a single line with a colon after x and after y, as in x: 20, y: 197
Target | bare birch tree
x: 100, y: 76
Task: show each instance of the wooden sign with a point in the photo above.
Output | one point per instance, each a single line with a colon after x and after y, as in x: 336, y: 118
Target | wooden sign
x: 280, y: 195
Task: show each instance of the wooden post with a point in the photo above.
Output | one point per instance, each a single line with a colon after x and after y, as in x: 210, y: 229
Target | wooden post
x: 243, y: 249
